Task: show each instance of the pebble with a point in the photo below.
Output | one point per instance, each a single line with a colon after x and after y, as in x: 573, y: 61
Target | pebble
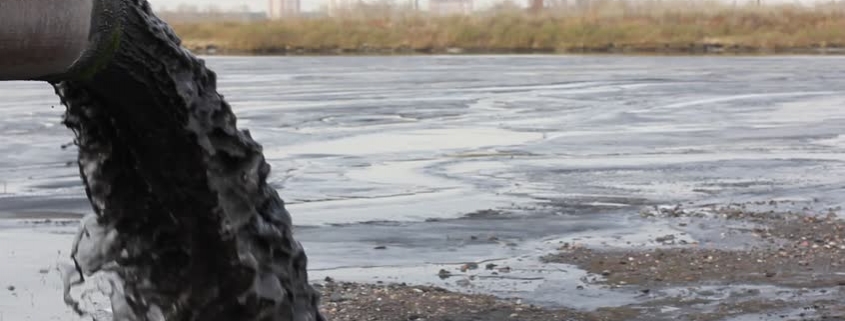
x: 665, y: 239
x: 337, y: 297
x: 11, y: 288
x: 443, y: 274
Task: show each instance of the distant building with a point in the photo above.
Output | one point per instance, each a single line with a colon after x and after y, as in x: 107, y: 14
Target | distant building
x: 536, y: 5
x: 337, y: 7
x: 280, y: 9
x: 199, y: 16
x: 450, y: 7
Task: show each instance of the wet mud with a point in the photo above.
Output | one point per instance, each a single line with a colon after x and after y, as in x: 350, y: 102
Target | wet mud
x: 388, y: 302
x: 795, y: 260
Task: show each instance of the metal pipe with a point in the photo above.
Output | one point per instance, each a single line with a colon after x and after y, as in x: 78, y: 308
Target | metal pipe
x: 49, y: 39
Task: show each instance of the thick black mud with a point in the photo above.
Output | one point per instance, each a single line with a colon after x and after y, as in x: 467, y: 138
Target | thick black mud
x: 184, y: 217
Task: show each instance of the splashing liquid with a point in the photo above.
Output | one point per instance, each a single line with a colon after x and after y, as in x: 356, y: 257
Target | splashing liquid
x: 183, y: 217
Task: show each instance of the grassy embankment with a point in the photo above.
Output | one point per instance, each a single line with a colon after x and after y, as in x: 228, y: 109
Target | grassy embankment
x: 606, y: 26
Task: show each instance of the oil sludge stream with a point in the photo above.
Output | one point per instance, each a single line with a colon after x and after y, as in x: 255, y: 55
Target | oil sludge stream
x: 185, y: 224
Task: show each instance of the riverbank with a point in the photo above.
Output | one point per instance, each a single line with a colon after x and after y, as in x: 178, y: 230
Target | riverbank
x: 210, y: 48
x: 776, y: 260
x: 770, y: 261
x: 718, y: 30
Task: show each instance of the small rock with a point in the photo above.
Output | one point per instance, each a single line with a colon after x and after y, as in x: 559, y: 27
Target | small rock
x: 336, y: 297
x: 443, y: 274
x: 490, y: 266
x: 665, y: 239
x: 506, y: 269
x: 770, y: 274
x: 381, y: 247
x: 605, y: 272
x: 645, y: 291
x: 11, y: 288
x: 514, y: 315
x: 580, y: 287
x: 328, y: 279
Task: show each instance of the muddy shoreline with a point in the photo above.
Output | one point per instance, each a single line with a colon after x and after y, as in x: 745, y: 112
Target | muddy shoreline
x: 777, y: 261
x: 795, y: 270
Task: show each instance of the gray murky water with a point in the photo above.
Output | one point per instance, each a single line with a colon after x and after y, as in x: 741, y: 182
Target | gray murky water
x: 394, y: 151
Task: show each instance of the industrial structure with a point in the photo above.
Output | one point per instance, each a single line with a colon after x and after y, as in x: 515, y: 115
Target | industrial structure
x: 450, y: 7
x: 280, y: 9
x: 337, y: 7
x: 536, y: 5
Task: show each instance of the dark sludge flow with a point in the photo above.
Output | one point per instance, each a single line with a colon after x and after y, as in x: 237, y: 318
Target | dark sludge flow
x: 185, y: 226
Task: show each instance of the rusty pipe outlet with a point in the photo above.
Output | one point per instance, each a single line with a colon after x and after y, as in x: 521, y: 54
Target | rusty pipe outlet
x: 56, y: 39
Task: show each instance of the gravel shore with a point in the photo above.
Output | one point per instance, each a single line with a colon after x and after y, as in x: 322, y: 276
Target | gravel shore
x: 792, y: 269
x: 398, y: 302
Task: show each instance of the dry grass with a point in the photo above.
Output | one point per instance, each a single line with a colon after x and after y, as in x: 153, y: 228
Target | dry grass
x: 610, y: 25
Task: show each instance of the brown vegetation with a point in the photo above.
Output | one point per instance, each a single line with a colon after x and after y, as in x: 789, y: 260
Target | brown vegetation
x: 601, y: 26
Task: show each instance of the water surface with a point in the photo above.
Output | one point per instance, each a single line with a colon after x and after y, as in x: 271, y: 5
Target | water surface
x: 394, y: 151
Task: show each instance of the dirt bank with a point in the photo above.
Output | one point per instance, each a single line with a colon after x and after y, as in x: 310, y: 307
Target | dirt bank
x: 797, y: 254
x: 790, y: 266
x: 393, y: 302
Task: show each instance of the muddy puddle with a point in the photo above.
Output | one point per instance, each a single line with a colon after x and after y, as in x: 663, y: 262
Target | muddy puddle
x: 474, y: 173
